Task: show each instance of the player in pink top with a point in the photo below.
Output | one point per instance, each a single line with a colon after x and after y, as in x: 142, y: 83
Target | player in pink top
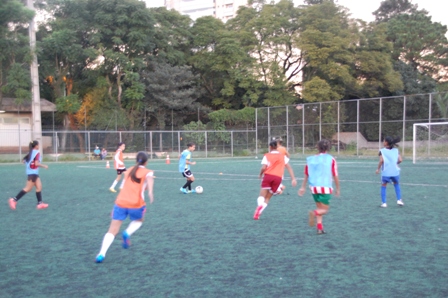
x: 272, y: 169
x: 130, y: 202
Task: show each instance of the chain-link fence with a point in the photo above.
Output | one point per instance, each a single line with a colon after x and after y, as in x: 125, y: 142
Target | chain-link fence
x: 356, y: 127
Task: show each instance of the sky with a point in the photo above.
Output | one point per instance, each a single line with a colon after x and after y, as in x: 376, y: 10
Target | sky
x: 362, y: 9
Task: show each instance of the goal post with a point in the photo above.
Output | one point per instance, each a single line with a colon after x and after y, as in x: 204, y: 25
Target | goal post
x: 429, y: 141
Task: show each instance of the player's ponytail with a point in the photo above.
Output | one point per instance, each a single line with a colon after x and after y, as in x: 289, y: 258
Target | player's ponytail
x: 32, y: 145
x: 141, y: 159
x: 391, y: 142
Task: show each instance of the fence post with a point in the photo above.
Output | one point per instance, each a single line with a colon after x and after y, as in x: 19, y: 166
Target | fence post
x: 339, y: 125
x: 206, y: 148
x: 303, y: 129
x: 404, y: 127
x: 357, y: 128
x: 380, y: 124
x: 231, y: 142
x: 287, y: 128
x: 256, y: 132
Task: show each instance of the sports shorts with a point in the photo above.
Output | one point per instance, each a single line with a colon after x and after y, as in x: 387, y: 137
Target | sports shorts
x: 187, y: 173
x: 33, y: 177
x: 121, y: 171
x: 322, y: 198
x: 271, y: 182
x: 394, y: 180
x: 120, y: 213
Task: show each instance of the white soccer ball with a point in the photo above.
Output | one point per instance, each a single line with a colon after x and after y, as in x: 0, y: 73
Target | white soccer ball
x: 199, y: 189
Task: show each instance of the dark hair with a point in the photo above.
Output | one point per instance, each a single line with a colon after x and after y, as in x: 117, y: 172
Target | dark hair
x: 324, y: 145
x: 119, y: 144
x: 273, y: 144
x: 141, y: 159
x: 278, y: 140
x: 190, y: 145
x: 32, y: 145
x: 391, y: 141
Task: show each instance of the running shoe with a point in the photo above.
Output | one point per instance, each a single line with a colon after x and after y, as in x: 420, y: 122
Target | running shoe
x: 400, y: 203
x: 126, y: 242
x: 99, y: 259
x: 42, y: 206
x: 257, y: 212
x: 384, y: 205
x: 112, y: 190
x: 183, y: 190
x: 320, y: 232
x: 311, y: 218
x: 12, y: 203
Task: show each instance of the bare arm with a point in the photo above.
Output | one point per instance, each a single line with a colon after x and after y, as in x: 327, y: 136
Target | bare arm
x: 338, y: 187
x: 263, y: 168
x: 38, y: 164
x: 302, y: 189
x: 291, y: 174
x: 150, y: 186
x: 380, y: 163
x: 399, y: 159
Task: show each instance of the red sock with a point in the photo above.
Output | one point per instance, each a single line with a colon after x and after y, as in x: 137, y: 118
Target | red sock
x: 320, y: 226
x: 316, y: 213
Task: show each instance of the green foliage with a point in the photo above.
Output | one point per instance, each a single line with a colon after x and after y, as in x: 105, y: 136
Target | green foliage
x: 68, y: 104
x: 18, y: 83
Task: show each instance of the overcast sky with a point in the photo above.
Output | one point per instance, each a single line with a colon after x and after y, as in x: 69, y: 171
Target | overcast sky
x: 362, y: 9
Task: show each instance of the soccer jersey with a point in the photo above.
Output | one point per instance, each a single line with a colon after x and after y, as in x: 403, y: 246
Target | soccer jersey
x: 31, y: 168
x: 133, y: 194
x: 282, y: 150
x: 118, y: 160
x: 390, y: 168
x: 185, y: 155
x: 320, y: 170
x: 275, y: 162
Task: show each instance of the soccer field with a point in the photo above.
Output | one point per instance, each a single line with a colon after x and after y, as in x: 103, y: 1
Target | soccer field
x: 208, y: 245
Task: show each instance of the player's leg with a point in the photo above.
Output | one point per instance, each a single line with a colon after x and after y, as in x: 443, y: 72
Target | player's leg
x: 321, y: 209
x: 122, y: 181
x: 261, y: 202
x: 136, y: 215
x: 28, y: 186
x: 396, y: 182
x: 118, y: 215
x: 40, y: 204
x: 384, y: 181
x: 112, y: 187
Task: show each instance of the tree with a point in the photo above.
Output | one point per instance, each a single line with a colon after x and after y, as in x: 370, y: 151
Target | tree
x: 169, y: 88
x: 14, y: 50
x: 390, y: 8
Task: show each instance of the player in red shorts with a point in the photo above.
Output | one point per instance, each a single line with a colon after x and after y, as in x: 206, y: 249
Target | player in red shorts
x: 272, y: 169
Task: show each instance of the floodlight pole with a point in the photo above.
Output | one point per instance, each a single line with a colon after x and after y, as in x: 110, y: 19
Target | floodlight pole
x: 35, y: 103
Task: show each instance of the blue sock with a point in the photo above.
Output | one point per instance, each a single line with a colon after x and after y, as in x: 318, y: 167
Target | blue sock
x: 383, y: 194
x: 397, y: 191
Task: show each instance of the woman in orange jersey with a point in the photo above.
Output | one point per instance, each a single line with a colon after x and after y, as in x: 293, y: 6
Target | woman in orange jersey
x: 273, y: 167
x: 118, y: 165
x: 130, y: 202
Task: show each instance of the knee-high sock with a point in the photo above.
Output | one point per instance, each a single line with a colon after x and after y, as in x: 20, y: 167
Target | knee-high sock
x: 397, y: 191
x: 107, y: 241
x: 383, y: 194
x: 20, y: 194
x: 113, y: 184
x: 133, y: 226
x: 39, y: 197
x: 188, y: 184
x: 261, y: 202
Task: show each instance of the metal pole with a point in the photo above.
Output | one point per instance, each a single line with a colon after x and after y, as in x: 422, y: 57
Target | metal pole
x: 287, y: 128
x: 231, y: 142
x: 35, y: 106
x: 380, y: 124
x: 339, y: 124
x: 256, y: 132
x: 320, y: 121
x: 357, y: 128
x: 404, y: 126
x: 303, y: 129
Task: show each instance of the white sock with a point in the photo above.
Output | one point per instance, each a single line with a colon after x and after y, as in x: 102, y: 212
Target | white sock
x: 133, y: 226
x: 122, y: 184
x: 260, y: 201
x: 264, y: 207
x: 113, y: 184
x: 107, y: 241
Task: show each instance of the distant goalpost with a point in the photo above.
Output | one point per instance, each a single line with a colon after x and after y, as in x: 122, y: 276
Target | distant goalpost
x: 429, y: 141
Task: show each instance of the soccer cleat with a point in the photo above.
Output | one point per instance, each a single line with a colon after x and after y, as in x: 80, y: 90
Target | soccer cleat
x: 126, y: 242
x: 183, y: 190
x: 12, y: 203
x: 192, y: 191
x: 112, y: 190
x: 41, y: 206
x: 400, y: 203
x: 311, y: 218
x: 257, y: 212
x: 320, y: 232
x: 384, y: 205
x: 99, y: 259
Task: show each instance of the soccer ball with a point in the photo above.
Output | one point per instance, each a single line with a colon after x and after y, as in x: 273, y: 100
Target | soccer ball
x: 199, y: 189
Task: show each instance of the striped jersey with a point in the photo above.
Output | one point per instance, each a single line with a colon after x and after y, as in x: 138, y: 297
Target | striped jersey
x: 320, y: 170
x: 133, y: 194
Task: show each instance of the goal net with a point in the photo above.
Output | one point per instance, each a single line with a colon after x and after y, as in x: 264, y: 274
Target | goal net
x: 430, y: 141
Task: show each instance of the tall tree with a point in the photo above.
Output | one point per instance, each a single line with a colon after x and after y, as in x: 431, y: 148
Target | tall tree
x: 14, y: 50
x: 390, y: 8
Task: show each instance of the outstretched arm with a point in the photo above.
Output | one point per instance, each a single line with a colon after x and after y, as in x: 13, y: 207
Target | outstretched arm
x: 380, y: 163
x: 150, y: 186
x: 291, y: 174
x: 302, y: 189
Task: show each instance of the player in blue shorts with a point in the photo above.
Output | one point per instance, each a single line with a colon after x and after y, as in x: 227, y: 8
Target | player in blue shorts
x: 390, y: 172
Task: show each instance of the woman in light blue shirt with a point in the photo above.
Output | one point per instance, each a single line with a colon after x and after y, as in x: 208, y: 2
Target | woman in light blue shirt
x: 390, y: 172
x: 33, y: 162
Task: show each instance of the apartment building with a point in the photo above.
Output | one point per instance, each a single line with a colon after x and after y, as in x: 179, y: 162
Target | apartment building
x: 220, y: 9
